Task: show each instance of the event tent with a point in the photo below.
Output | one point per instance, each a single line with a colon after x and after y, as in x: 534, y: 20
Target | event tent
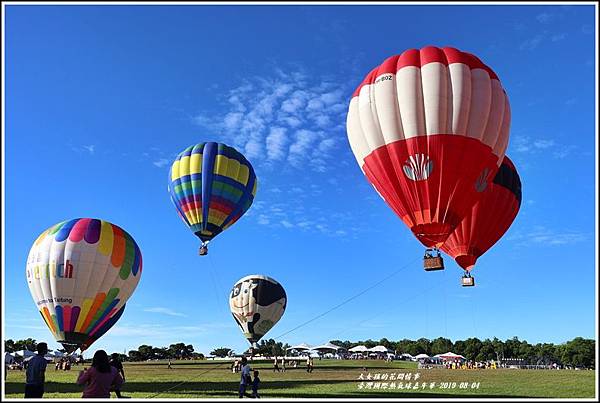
x: 379, y: 349
x: 299, y: 347
x: 450, y: 356
x: 421, y: 356
x: 359, y: 349
x: 24, y: 353
x: 328, y: 346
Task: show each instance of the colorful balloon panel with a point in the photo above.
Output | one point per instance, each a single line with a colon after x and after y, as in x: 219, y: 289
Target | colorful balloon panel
x: 429, y: 129
x: 80, y: 274
x: 257, y: 303
x: 211, y: 185
x: 489, y: 219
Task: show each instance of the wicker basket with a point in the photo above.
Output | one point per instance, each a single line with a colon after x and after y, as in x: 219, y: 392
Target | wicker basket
x: 433, y: 263
x: 468, y: 281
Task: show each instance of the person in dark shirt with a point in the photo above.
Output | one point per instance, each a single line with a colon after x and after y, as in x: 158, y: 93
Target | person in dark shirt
x: 115, y: 362
x: 255, y: 384
x: 36, y: 373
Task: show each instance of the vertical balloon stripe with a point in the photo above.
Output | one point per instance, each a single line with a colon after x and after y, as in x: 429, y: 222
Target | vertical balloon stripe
x: 208, y: 161
x: 55, y: 323
x: 110, y: 298
x: 64, y: 231
x: 106, y: 238
x: 128, y: 259
x: 59, y: 317
x: 103, y: 321
x: 79, y: 229
x: 85, y: 308
x: 46, y: 315
x: 93, y: 309
x: 67, y: 317
x: 53, y: 230
x: 136, y: 261
x: 92, y: 234
x: 102, y: 315
x: 74, y: 316
x: 118, y: 252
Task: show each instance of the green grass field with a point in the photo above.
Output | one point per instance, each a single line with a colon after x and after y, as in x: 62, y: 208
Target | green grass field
x: 331, y: 378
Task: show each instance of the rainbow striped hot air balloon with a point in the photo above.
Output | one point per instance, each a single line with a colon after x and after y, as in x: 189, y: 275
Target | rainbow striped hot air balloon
x: 80, y: 274
x: 211, y: 185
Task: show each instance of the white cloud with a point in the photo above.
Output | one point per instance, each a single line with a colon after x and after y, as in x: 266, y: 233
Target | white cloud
x: 281, y: 118
x: 532, y: 43
x: 161, y: 162
x: 287, y: 224
x: 166, y: 311
x: 90, y: 148
x: 545, y: 236
x: 263, y: 220
x: 525, y: 144
x: 276, y: 143
x: 544, y: 18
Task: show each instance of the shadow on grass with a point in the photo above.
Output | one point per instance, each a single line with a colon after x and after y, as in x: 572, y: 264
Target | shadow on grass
x: 230, y: 389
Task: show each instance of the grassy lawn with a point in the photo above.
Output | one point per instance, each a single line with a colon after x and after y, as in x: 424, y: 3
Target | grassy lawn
x: 331, y: 378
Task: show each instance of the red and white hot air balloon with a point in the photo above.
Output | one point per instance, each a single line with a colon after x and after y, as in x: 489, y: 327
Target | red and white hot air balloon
x: 429, y: 129
x: 488, y: 221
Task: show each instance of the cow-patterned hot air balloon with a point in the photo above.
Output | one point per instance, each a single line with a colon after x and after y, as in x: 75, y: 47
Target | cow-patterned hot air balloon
x: 489, y: 219
x: 80, y: 274
x: 211, y: 185
x: 429, y: 129
x: 257, y: 303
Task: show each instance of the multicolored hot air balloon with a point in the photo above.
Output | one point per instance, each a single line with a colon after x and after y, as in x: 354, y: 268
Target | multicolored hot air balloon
x: 80, y: 274
x: 489, y: 219
x: 211, y: 185
x: 429, y: 129
x: 257, y: 303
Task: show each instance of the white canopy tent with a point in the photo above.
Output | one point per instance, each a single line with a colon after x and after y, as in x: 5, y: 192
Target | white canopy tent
x: 300, y: 347
x: 380, y: 349
x: 421, y: 356
x: 359, y: 349
x: 406, y: 355
x: 450, y: 356
x: 24, y: 353
x: 328, y: 346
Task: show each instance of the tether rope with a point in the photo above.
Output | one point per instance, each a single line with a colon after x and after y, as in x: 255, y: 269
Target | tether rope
x: 347, y: 300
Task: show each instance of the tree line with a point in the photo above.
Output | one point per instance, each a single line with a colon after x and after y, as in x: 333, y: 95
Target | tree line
x: 142, y: 353
x: 578, y: 352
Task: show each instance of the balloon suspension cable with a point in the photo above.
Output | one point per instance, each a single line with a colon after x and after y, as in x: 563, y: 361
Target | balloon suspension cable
x: 353, y: 297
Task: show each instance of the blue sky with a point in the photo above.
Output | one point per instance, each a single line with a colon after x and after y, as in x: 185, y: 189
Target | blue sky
x: 100, y: 99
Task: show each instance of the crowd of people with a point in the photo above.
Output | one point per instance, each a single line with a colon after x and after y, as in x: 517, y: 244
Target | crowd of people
x: 103, y: 377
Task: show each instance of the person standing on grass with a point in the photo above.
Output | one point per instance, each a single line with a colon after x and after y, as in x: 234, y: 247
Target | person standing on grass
x: 118, y: 365
x: 100, y: 378
x: 255, y: 384
x: 36, y: 373
x: 283, y: 364
x: 245, y: 378
x: 276, y: 364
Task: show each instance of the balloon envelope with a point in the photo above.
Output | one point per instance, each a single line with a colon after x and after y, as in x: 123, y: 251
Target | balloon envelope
x: 489, y: 219
x: 429, y: 129
x: 80, y: 274
x: 257, y: 303
x: 211, y: 185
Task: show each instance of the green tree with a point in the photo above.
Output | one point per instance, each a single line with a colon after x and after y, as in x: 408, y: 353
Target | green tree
x: 221, y: 352
x: 9, y: 346
x: 579, y: 352
x: 441, y: 345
